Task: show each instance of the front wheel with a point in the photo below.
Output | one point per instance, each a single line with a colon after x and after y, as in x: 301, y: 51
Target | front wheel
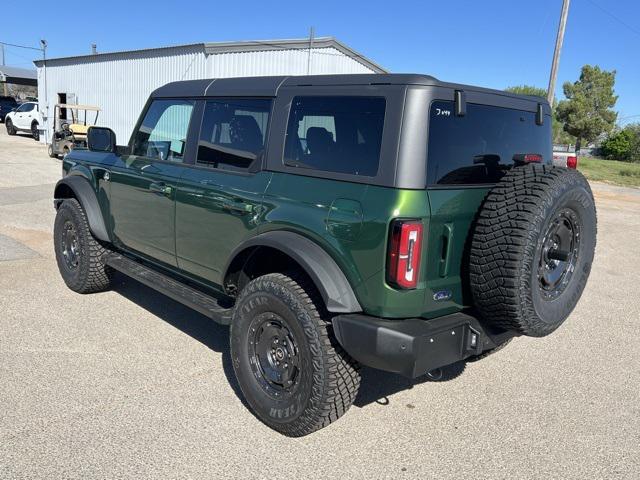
x: 50, y: 151
x: 79, y: 255
x: 10, y: 128
x: 294, y: 375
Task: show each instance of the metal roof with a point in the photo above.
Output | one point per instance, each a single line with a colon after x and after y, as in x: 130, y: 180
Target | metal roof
x: 74, y: 106
x: 212, y: 48
x: 21, y: 76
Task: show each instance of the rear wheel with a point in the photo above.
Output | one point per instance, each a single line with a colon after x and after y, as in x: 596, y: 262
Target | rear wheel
x: 78, y: 254
x: 294, y: 375
x: 10, y: 128
x: 35, y: 132
x: 532, y: 249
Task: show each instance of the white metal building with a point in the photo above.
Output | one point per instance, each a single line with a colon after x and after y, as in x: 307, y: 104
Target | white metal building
x: 120, y: 82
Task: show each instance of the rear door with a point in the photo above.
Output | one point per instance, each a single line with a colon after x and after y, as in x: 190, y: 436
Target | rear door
x: 144, y: 182
x: 467, y: 155
x: 219, y: 203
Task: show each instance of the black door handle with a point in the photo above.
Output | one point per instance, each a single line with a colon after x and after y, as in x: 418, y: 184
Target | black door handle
x: 160, y: 187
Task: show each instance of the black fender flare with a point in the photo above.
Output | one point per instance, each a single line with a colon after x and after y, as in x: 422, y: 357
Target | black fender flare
x: 325, y: 273
x: 86, y: 195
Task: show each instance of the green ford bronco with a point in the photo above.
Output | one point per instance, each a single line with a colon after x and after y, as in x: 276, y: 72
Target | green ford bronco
x: 392, y: 221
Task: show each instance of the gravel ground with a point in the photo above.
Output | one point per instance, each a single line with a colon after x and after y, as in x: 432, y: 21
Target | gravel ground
x: 129, y: 384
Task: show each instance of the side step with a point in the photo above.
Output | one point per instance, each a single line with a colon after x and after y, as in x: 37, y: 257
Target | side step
x: 192, y: 298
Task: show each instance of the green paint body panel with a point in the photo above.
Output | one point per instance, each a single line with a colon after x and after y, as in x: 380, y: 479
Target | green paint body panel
x: 193, y: 228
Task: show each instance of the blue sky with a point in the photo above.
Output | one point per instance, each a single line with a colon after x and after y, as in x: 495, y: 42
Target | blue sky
x: 493, y: 43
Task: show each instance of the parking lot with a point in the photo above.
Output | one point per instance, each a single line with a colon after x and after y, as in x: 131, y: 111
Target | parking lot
x: 129, y: 384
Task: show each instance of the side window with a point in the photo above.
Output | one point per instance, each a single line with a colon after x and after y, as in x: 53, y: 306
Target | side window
x: 335, y: 134
x: 233, y: 133
x: 163, y: 132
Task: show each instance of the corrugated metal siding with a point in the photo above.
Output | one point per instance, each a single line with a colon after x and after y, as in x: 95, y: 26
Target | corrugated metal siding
x: 283, y: 62
x: 121, y: 85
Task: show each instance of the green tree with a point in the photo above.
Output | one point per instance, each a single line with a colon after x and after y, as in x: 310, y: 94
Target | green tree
x: 528, y: 90
x: 623, y: 144
x: 558, y: 133
x: 617, y: 146
x: 634, y: 150
x: 588, y: 110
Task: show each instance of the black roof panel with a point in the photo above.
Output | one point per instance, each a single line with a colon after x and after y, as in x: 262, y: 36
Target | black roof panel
x: 268, y: 86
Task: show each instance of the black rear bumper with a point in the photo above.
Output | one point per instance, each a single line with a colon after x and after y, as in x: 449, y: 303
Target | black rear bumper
x: 414, y: 346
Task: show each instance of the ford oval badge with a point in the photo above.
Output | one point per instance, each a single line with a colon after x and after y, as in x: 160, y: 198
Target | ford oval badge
x: 442, y: 295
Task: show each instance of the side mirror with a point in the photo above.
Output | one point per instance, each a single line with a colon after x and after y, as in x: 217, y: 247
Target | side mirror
x: 101, y: 139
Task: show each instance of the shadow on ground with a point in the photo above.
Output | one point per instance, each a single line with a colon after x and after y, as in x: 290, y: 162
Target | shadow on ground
x: 377, y: 386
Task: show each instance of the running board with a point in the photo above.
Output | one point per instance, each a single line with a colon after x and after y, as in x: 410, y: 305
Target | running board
x: 192, y: 298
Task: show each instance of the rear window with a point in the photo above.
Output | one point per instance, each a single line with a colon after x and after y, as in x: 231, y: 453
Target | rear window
x: 335, y: 134
x: 478, y: 148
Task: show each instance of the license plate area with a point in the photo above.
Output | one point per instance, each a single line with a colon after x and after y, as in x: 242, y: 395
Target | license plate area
x: 446, y: 346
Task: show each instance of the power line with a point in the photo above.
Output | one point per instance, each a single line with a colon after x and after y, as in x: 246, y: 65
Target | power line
x: 618, y: 19
x: 20, y: 46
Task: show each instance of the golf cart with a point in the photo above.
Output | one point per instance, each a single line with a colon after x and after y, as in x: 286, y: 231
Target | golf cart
x: 70, y: 133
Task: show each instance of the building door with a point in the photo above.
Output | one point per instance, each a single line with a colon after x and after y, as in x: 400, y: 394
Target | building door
x: 62, y: 98
x: 144, y: 182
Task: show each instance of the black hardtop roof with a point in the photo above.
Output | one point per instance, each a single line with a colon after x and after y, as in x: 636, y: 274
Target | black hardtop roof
x: 269, y: 86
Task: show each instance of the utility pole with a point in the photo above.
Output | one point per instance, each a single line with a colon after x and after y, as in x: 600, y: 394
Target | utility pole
x: 45, y: 113
x: 310, y: 47
x: 556, y: 53
x: 5, y: 89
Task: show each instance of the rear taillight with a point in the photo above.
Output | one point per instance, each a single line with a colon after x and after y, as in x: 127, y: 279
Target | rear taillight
x: 520, y: 158
x: 403, y: 266
x: 572, y: 162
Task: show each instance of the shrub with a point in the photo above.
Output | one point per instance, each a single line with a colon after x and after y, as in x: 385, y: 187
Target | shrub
x: 617, y: 146
x: 623, y: 144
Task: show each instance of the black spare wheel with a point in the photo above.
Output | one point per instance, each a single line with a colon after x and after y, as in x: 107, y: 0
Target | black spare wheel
x: 532, y: 248
x: 294, y: 375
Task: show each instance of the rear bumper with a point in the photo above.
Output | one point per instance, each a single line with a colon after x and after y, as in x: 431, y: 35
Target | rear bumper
x: 414, y: 346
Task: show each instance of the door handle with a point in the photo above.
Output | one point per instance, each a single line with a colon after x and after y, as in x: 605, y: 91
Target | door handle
x: 160, y: 187
x: 238, y: 207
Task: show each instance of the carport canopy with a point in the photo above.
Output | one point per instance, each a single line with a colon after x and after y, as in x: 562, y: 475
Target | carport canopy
x: 18, y: 76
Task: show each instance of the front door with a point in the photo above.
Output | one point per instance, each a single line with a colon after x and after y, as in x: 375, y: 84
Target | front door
x: 24, y: 116
x: 219, y: 203
x: 144, y: 183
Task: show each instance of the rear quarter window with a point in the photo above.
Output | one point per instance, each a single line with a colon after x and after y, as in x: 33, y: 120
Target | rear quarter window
x: 479, y: 147
x: 335, y: 134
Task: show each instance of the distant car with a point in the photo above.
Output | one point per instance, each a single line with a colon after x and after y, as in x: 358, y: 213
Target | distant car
x: 6, y: 105
x: 565, y: 159
x: 25, y: 118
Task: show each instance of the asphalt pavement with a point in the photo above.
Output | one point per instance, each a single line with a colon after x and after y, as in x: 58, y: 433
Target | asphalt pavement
x: 129, y: 384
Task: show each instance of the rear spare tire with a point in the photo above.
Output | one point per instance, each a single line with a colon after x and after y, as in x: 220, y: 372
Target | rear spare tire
x: 532, y: 249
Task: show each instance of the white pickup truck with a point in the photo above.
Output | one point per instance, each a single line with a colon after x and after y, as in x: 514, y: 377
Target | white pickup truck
x: 25, y: 118
x: 565, y: 159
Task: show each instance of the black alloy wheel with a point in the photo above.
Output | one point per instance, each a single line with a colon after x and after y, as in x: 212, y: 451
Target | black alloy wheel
x: 274, y: 355
x: 560, y: 249
x: 70, y: 246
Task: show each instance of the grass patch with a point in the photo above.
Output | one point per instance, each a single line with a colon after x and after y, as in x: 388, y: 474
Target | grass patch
x: 610, y: 171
